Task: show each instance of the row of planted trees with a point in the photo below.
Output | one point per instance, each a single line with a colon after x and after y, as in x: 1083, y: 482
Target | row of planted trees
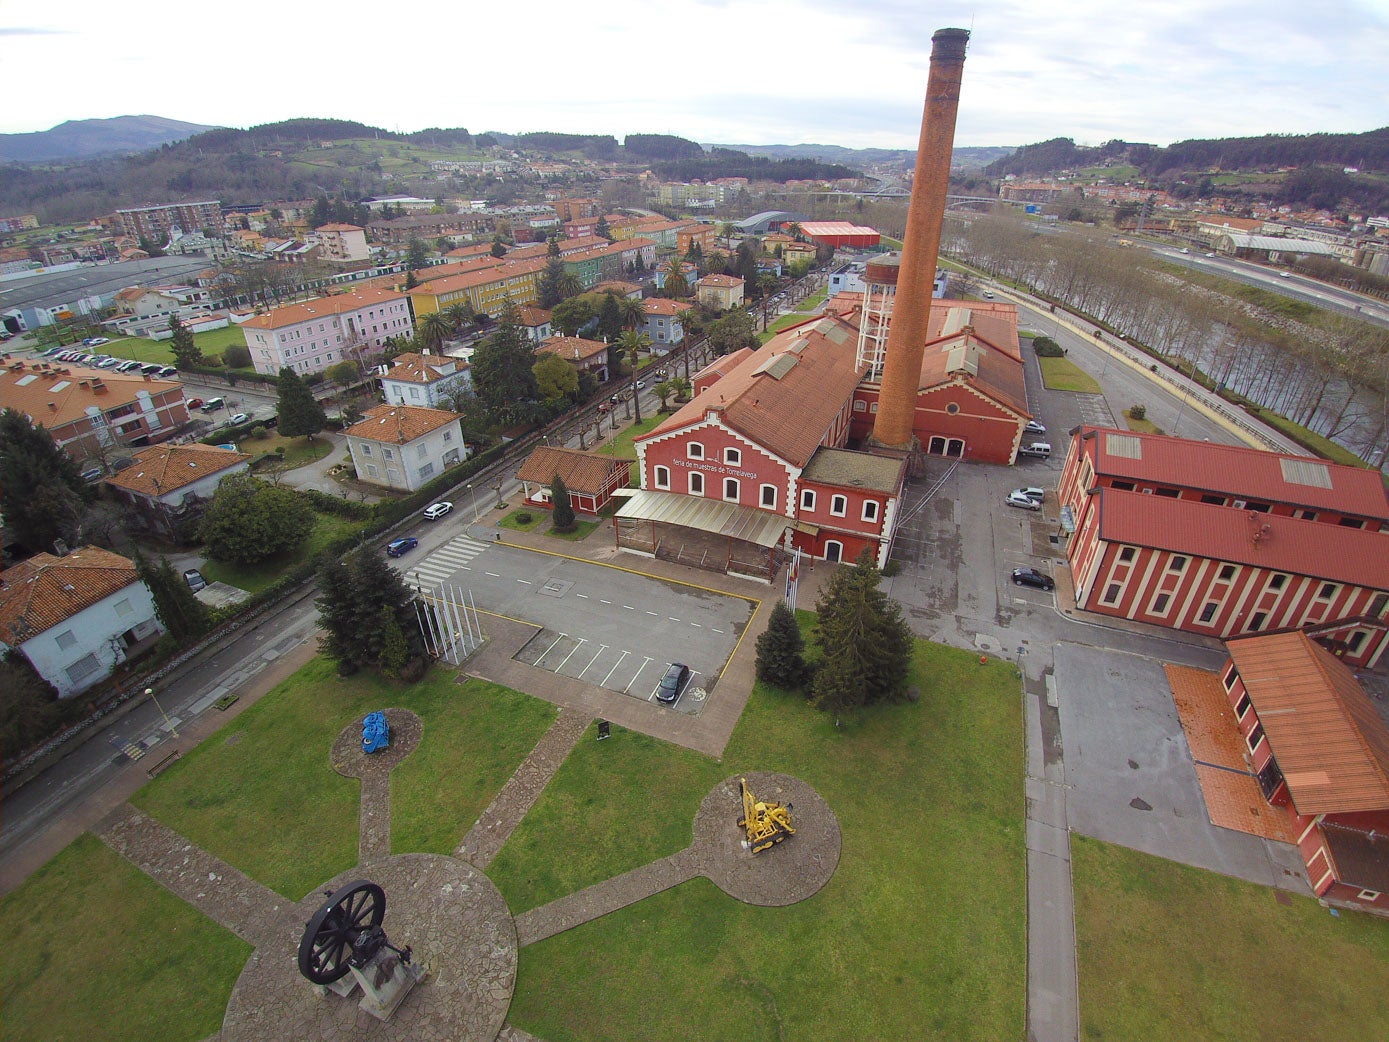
x: 1325, y: 371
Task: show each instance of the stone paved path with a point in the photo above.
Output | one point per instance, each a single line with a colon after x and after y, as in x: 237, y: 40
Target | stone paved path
x: 253, y: 912
x: 505, y: 812
x: 608, y: 896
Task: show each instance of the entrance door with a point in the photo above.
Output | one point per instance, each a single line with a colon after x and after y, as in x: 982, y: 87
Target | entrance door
x: 834, y: 551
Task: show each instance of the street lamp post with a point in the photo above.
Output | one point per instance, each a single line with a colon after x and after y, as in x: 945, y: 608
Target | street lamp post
x: 476, y: 515
x: 149, y: 691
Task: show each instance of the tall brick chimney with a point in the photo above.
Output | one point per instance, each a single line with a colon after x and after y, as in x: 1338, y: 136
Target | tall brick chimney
x: 906, y: 337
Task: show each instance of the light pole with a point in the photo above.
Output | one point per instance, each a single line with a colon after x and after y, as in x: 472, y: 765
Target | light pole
x: 476, y: 515
x: 167, y: 722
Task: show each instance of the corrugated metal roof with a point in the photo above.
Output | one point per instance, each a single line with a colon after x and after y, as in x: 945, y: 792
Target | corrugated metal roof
x: 1277, y: 244
x: 1305, y: 472
x: 1355, y: 556
x: 1234, y: 470
x: 1328, y: 739
x: 706, y: 515
x: 1125, y: 445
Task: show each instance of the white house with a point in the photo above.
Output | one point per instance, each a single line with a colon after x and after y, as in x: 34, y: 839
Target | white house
x: 403, y: 446
x: 75, y: 617
x: 310, y: 337
x: 342, y: 242
x: 168, y: 483
x: 425, y: 379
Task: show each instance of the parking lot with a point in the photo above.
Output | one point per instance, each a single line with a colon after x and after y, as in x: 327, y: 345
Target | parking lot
x: 598, y: 625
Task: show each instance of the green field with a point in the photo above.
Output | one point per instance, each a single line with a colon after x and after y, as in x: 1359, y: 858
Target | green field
x: 1170, y: 952
x: 96, y: 949
x: 919, y: 935
x: 1061, y: 374
x: 261, y: 794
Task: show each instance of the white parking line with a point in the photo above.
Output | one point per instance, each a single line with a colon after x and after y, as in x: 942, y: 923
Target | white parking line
x: 526, y: 581
x: 629, y: 607
x: 601, y: 648
x: 601, y: 601
x: 628, y: 688
x: 671, y: 619
x: 576, y: 647
x: 583, y: 595
x: 697, y: 625
x: 718, y: 631
x: 652, y: 614
x: 550, y: 648
x: 495, y: 575
x: 614, y: 669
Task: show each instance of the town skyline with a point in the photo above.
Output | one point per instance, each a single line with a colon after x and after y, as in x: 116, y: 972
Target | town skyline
x: 744, y: 71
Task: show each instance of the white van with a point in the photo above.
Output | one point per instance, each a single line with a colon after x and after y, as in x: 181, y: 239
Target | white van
x: 1037, y: 449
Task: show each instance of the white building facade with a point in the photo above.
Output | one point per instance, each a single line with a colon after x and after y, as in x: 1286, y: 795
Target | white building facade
x: 402, y: 447
x: 310, y: 337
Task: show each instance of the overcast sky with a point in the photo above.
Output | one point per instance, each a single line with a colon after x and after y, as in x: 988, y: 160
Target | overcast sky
x: 730, y: 71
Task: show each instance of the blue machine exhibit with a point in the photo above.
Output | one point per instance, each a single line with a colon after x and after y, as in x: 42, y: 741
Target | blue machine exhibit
x: 376, y: 733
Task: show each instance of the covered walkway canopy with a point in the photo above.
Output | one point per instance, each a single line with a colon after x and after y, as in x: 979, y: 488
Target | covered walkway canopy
x: 705, y: 533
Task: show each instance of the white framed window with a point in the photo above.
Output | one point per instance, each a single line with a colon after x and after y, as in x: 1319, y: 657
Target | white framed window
x: 82, y: 668
x: 733, y: 457
x: 730, y: 489
x: 423, y: 452
x: 870, y: 510
x: 1368, y: 895
x: 696, y: 483
x: 808, y: 499
x: 695, y: 450
x: 768, y: 496
x: 662, y: 477
x: 860, y: 405
x: 387, y: 455
x: 371, y: 470
x: 124, y: 607
x: 65, y: 640
x: 839, y: 505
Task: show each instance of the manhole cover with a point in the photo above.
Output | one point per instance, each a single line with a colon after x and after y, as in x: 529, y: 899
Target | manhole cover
x: 556, y: 588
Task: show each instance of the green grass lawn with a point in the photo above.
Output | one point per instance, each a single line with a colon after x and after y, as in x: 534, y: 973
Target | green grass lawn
x: 298, y: 451
x: 1061, y: 374
x: 920, y: 934
x: 624, y: 443
x: 261, y: 794
x: 581, y: 530
x: 95, y: 949
x: 536, y: 517
x: 1165, y: 951
x: 255, y: 577
x: 1145, y: 425
x: 215, y: 341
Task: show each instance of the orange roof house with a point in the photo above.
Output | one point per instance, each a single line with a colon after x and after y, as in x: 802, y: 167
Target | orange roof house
x: 404, y: 446
x: 75, y: 617
x: 590, y: 478
x: 170, y: 483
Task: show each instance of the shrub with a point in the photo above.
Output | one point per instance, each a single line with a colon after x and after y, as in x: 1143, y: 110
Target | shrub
x: 1138, y: 412
x: 524, y: 518
x: 1046, y: 347
x: 237, y: 356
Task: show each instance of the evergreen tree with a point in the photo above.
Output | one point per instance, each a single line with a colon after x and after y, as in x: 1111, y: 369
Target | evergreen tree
x: 415, y: 255
x: 182, y: 614
x: 548, y: 291
x: 571, y: 315
x: 43, y: 491
x: 609, y: 317
x: 299, y: 411
x: 503, y: 371
x: 29, y: 706
x: 552, y: 250
x: 779, y: 650
x: 187, y: 354
x: 867, y: 644
x: 368, y: 616
x: 249, y: 520
x: 602, y: 230
x: 563, y: 515
x: 498, y: 247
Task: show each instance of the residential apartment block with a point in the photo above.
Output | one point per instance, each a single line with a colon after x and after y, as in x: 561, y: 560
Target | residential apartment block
x: 310, y: 337
x: 154, y: 222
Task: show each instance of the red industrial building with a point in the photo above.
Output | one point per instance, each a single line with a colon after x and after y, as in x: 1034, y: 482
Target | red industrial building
x: 840, y: 233
x: 1225, y: 540
x: 1320, y: 751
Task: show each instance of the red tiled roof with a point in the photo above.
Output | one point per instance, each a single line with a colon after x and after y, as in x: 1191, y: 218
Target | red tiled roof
x: 1354, y: 556
x: 41, y: 592
x: 720, y: 281
x: 58, y: 393
x: 493, y: 273
x: 420, y: 369
x: 725, y: 364
x: 572, y: 348
x: 339, y: 228
x: 786, y: 394
x: 399, y: 424
x: 580, y: 471
x: 293, y: 314
x: 1329, y: 740
x: 997, y: 373
x: 665, y: 306
x: 1237, y: 470
x: 532, y: 316
x: 161, y: 469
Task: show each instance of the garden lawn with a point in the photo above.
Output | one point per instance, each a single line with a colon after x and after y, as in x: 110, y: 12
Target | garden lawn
x: 1061, y: 374
x: 624, y: 445
x: 215, y: 341
x: 298, y: 451
x: 537, y: 516
x: 581, y: 530
x: 1165, y: 951
x: 1145, y: 426
x: 262, y: 795
x: 255, y: 577
x: 920, y: 934
x: 95, y: 949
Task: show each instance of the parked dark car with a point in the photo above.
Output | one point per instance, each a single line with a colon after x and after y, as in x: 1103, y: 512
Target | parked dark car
x: 1032, y: 577
x: 677, y: 675
x: 396, y: 547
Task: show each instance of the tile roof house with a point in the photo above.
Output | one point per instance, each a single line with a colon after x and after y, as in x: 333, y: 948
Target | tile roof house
x: 1224, y: 541
x: 92, y: 411
x: 584, y: 355
x: 425, y: 379
x: 75, y: 618
x: 536, y: 322
x: 316, y: 334
x: 589, y: 477
x: 1320, y: 749
x: 169, y: 483
x: 720, y: 292
x: 665, y: 321
x: 404, y: 446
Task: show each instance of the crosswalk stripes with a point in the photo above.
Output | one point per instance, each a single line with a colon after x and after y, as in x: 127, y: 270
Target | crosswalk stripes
x: 444, y: 561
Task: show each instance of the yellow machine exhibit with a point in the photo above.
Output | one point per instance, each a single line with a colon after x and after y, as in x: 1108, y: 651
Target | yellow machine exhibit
x: 767, y: 823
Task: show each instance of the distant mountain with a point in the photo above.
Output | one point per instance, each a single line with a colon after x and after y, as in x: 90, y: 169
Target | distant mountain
x: 89, y: 138
x: 965, y: 156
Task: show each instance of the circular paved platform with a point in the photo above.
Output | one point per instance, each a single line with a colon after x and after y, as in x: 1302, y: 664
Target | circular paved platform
x: 348, y: 758
x: 462, y: 935
x: 789, y: 872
